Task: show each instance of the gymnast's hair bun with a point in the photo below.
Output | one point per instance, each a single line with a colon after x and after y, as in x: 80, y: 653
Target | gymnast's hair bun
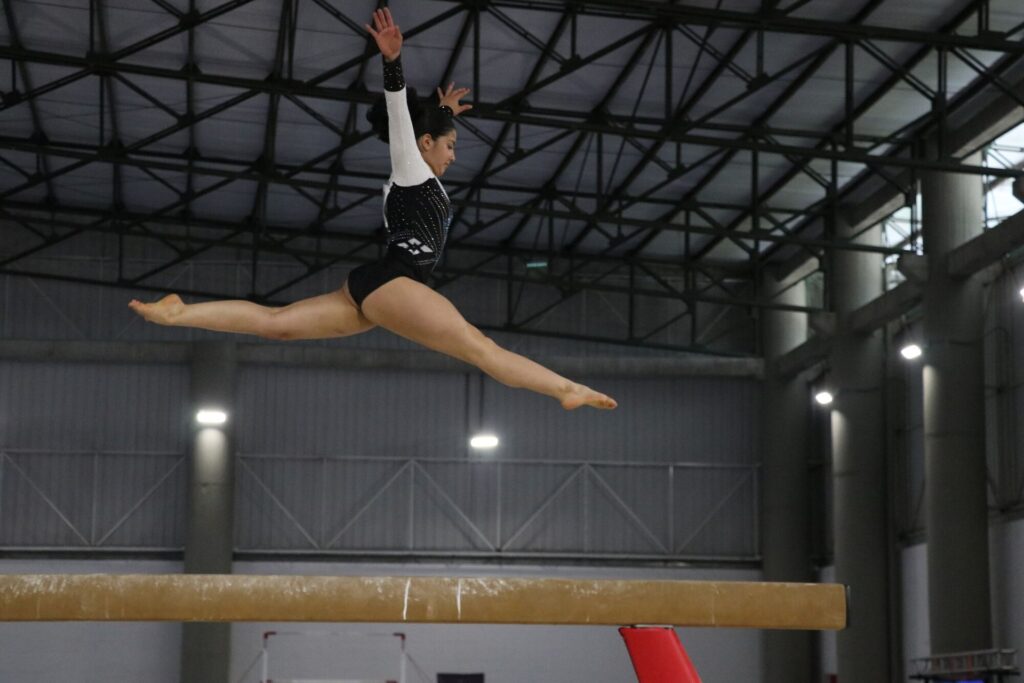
x: 378, y: 113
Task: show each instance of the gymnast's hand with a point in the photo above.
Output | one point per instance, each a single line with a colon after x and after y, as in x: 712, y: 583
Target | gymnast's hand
x: 451, y: 96
x: 387, y: 34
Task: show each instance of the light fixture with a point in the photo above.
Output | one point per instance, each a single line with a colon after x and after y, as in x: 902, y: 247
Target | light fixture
x: 484, y: 441
x: 823, y: 397
x: 911, y: 351
x: 1022, y: 293
x: 211, y: 416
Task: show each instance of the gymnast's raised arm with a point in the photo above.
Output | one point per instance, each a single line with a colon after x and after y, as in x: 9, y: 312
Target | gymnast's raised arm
x: 408, y: 166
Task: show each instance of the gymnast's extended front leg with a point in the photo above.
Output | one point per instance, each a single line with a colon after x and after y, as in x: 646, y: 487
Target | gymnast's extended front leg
x: 319, y: 317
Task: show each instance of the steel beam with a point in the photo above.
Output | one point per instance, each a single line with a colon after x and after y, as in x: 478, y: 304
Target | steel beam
x: 988, y: 248
x: 855, y: 112
x: 774, y: 21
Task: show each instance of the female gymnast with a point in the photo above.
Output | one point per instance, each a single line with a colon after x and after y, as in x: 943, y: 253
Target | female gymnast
x: 392, y: 292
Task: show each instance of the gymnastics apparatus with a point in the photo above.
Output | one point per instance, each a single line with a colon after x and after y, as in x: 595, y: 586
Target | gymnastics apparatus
x: 656, y: 653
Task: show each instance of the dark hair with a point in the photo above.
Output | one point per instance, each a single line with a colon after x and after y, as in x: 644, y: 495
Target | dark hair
x: 426, y: 118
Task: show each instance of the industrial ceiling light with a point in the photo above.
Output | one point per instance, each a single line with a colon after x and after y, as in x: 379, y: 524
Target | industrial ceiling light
x: 483, y: 442
x: 911, y: 351
x: 211, y: 416
x: 823, y: 397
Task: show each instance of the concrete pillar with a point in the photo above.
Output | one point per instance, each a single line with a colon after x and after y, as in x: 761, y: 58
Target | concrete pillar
x: 787, y: 656
x: 858, y: 468
x: 956, y: 509
x: 209, y: 542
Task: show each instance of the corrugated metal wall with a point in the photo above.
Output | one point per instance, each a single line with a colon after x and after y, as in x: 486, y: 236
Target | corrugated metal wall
x: 92, y: 456
x: 93, y: 406
x: 354, y: 412
x: 500, y: 508
x: 344, y: 461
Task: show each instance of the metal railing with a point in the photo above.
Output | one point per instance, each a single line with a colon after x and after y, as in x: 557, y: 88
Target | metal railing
x: 990, y: 665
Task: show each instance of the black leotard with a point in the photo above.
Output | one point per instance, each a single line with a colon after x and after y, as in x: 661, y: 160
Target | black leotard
x: 417, y: 211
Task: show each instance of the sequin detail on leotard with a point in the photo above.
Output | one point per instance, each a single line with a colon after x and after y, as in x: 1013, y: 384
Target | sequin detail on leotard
x: 393, y: 78
x: 417, y: 220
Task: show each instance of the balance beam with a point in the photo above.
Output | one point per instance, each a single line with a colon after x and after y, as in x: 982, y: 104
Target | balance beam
x: 235, y: 598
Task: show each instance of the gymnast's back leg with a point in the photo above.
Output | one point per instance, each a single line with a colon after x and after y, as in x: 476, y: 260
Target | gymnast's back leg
x: 320, y: 317
x: 414, y: 311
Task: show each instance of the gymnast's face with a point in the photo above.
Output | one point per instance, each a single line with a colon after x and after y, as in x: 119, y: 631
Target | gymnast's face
x: 439, y: 152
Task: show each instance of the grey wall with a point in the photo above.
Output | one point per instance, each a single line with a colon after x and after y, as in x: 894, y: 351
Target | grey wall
x: 672, y: 473
x: 87, y: 406
x: 91, y: 456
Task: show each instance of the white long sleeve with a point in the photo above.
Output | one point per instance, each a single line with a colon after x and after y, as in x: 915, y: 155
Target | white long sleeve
x: 408, y: 168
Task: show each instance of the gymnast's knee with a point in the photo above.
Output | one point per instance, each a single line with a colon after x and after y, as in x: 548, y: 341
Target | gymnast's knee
x: 481, y: 350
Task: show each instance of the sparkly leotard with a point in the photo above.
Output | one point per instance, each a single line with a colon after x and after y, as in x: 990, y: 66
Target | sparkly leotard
x: 417, y: 211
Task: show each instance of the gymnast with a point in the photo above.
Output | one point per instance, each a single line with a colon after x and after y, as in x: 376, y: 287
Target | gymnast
x: 392, y: 293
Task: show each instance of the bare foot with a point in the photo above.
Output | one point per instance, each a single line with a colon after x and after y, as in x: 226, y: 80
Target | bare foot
x: 581, y: 395
x: 161, y: 312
